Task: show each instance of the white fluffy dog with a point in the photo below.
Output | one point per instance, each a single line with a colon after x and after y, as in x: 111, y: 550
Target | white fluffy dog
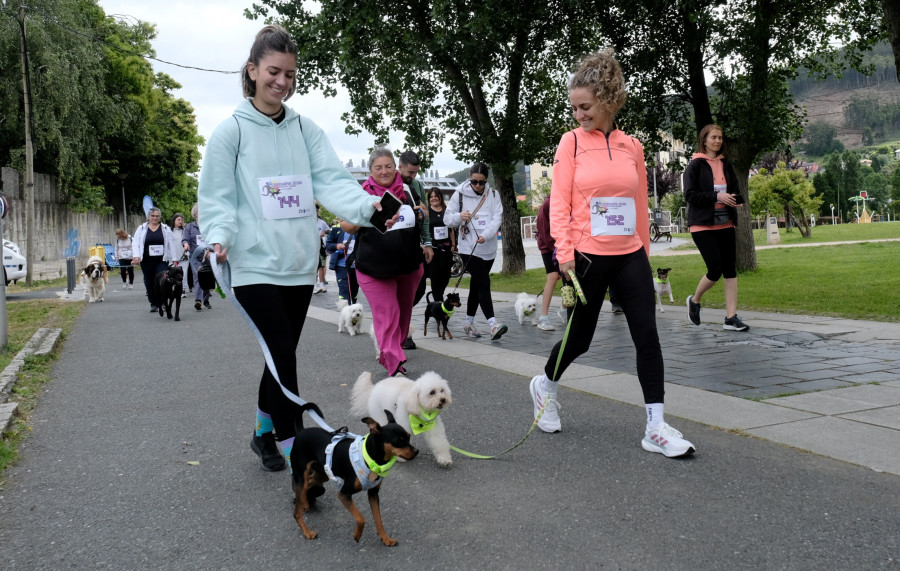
x: 351, y: 319
x: 526, y: 306
x: 425, y: 398
x: 95, y: 277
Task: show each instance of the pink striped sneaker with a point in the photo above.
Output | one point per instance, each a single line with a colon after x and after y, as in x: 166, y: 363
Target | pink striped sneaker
x: 667, y: 441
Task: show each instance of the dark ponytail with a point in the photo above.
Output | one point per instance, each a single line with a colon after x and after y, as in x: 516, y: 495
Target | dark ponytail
x: 270, y: 39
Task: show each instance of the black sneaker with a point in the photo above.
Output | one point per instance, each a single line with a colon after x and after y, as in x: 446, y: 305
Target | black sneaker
x: 207, y: 305
x: 616, y: 308
x: 267, y: 450
x: 153, y: 309
x: 408, y: 344
x: 693, y: 310
x: 734, y: 323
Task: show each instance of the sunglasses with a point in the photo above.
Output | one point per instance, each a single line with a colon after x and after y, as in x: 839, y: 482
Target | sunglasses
x: 474, y: 182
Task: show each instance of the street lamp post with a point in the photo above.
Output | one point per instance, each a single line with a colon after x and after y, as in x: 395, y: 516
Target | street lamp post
x: 832, y: 215
x: 122, y: 177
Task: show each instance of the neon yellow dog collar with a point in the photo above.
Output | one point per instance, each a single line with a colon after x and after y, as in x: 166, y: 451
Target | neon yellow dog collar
x: 448, y: 312
x: 380, y: 470
x: 423, y: 422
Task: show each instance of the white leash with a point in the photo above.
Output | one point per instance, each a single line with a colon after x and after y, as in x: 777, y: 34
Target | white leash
x: 223, y: 277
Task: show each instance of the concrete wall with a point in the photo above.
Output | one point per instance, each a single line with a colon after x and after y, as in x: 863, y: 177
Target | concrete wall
x: 59, y: 232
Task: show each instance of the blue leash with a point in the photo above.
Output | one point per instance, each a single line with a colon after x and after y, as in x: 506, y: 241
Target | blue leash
x: 223, y: 277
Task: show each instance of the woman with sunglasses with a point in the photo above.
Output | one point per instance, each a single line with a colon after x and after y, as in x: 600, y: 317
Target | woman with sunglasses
x: 598, y: 217
x: 476, y: 210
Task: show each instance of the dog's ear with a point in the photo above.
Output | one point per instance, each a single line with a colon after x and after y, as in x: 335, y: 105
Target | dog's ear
x: 390, y: 416
x: 374, y: 427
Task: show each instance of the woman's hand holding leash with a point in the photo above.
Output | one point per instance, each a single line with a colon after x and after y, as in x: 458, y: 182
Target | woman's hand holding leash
x: 221, y: 253
x: 565, y: 268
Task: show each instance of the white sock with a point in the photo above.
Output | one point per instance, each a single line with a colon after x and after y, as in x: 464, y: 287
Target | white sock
x: 544, y: 317
x: 654, y: 415
x: 492, y: 321
x: 548, y: 386
x: 470, y: 319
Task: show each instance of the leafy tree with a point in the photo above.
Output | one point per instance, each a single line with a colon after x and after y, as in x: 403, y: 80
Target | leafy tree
x: 892, y: 23
x: 820, y: 137
x: 877, y: 189
x: 488, y: 77
x: 666, y: 182
x: 786, y: 190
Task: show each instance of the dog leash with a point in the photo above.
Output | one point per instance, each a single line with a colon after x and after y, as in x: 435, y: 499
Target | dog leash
x: 223, y: 278
x: 578, y: 295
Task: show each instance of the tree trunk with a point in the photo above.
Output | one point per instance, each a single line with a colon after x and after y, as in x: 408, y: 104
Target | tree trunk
x: 892, y: 23
x: 511, y: 229
x: 746, y: 250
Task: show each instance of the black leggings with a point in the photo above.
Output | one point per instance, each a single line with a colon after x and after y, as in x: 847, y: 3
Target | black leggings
x: 127, y: 270
x: 630, y: 274
x: 278, y: 312
x: 439, y: 272
x: 479, y: 285
x: 718, y: 248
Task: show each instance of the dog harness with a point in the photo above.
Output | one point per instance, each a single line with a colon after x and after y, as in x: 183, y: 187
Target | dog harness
x: 423, y: 422
x: 362, y: 463
x: 448, y: 312
x: 527, y: 312
x: 659, y: 281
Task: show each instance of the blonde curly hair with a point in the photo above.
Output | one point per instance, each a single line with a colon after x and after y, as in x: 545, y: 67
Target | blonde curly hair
x: 601, y: 73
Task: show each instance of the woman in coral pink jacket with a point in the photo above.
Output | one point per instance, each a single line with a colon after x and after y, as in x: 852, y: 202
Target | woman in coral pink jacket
x: 598, y: 217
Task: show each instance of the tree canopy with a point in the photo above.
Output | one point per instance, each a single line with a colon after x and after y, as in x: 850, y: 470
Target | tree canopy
x: 785, y: 190
x: 98, y: 109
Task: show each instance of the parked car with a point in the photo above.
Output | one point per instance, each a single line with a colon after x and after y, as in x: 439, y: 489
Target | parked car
x: 14, y: 265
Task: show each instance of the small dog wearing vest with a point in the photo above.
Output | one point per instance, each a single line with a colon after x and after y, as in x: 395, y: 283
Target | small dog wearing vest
x: 441, y: 312
x: 415, y: 404
x: 526, y: 308
x: 95, y: 277
x: 356, y: 463
x: 662, y: 286
x: 351, y: 319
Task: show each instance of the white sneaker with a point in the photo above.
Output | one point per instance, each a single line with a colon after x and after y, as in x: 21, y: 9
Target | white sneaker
x: 549, y: 421
x: 544, y: 324
x: 667, y: 441
x: 470, y: 331
x: 563, y: 316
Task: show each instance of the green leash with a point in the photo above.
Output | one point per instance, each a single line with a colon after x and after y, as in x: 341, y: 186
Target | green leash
x: 577, y: 291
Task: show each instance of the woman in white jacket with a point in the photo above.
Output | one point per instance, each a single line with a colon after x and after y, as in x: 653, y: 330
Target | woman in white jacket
x: 477, y: 211
x: 154, y: 247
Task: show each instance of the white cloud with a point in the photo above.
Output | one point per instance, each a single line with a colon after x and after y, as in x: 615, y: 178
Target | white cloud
x: 214, y: 34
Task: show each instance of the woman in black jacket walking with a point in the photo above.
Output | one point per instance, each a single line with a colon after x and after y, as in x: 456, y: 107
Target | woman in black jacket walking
x: 712, y: 193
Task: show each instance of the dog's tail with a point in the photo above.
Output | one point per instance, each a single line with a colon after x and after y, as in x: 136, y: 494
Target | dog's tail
x: 428, y: 297
x: 298, y: 420
x: 359, y: 398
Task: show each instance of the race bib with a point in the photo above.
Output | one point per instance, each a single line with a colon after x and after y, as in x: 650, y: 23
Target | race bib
x: 200, y: 242
x: 286, y: 197
x: 407, y: 218
x: 720, y: 187
x: 613, y: 216
x: 481, y: 221
x: 159, y: 250
x: 441, y: 233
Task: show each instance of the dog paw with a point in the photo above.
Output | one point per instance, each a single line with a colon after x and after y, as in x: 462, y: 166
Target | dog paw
x: 311, y: 535
x: 444, y: 462
x: 388, y: 541
x: 177, y: 319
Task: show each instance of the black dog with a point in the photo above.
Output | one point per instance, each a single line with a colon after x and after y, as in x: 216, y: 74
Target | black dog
x: 441, y: 312
x: 167, y: 287
x: 308, y: 460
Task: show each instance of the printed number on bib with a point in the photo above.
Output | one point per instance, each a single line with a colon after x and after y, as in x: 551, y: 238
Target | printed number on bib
x: 441, y: 233
x: 613, y: 216
x: 481, y: 221
x: 157, y: 250
x: 286, y: 197
x: 407, y: 218
x: 201, y: 243
x: 720, y: 187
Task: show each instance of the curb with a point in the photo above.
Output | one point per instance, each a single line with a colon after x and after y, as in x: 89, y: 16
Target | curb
x: 42, y: 342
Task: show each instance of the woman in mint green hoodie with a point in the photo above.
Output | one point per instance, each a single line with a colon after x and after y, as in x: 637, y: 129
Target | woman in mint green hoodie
x: 263, y: 171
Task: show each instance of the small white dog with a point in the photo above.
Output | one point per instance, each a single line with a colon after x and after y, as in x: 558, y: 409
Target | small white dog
x: 95, y: 277
x: 425, y: 398
x: 351, y: 319
x: 662, y: 286
x: 526, y: 306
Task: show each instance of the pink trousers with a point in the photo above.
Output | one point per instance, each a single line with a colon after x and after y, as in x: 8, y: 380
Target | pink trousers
x: 391, y: 301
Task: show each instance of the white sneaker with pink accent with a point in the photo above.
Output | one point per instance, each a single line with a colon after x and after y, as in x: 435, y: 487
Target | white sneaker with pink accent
x: 667, y: 441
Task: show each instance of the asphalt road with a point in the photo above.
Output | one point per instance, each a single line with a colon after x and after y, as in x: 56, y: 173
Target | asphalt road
x: 104, y: 480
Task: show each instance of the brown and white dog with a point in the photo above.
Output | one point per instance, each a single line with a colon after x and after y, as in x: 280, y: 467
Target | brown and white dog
x: 95, y: 277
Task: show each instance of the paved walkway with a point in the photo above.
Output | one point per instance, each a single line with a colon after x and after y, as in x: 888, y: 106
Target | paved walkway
x: 827, y: 385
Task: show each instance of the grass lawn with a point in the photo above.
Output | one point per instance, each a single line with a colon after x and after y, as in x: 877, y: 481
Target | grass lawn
x: 855, y: 281
x: 23, y: 319
x: 823, y: 233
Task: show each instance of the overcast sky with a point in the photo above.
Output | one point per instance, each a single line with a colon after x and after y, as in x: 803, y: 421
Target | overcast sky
x: 214, y: 34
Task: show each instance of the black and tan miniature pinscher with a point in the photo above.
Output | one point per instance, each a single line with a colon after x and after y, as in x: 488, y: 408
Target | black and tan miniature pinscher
x: 357, y: 463
x: 441, y: 312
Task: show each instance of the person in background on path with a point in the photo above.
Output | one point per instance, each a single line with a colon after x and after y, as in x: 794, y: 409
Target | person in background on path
x: 389, y: 265
x: 124, y: 254
x: 323, y: 228
x: 178, y: 232
x: 597, y: 217
x: 443, y: 242
x: 476, y: 210
x: 154, y: 248
x: 272, y: 251
x: 193, y: 242
x: 712, y: 193
x: 340, y: 245
x: 547, y: 247
x: 409, y: 169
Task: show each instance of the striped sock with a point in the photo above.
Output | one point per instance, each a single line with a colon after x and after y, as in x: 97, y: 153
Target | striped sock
x: 286, y: 446
x: 263, y: 423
